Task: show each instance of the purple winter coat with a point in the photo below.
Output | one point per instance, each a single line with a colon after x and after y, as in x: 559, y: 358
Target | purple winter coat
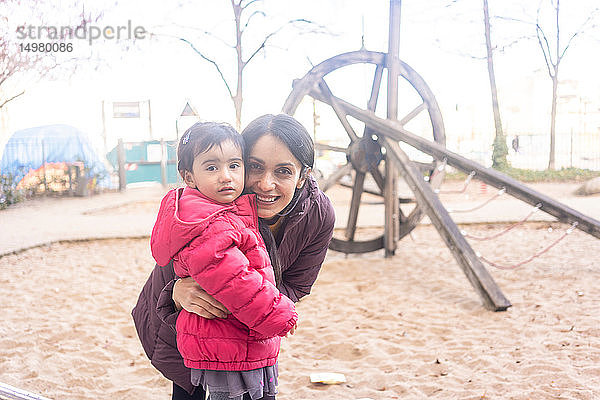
x: 303, y: 241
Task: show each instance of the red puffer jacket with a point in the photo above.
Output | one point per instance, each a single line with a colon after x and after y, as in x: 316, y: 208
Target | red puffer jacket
x: 220, y: 247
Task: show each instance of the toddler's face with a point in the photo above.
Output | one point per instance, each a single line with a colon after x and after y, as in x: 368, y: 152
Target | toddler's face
x: 218, y: 173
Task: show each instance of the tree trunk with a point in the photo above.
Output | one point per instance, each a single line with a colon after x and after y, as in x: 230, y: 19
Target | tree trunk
x: 238, y: 99
x: 551, y: 161
x: 500, y: 149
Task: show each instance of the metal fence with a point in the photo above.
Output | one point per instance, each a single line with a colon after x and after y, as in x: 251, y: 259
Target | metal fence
x: 531, y: 151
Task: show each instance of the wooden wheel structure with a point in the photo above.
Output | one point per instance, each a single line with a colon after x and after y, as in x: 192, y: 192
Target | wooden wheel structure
x: 364, y: 154
x: 394, y: 142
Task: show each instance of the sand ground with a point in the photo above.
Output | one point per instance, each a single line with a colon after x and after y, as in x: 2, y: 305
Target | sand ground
x: 409, y: 326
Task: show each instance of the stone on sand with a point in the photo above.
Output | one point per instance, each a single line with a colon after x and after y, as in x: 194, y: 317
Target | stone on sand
x: 589, y: 188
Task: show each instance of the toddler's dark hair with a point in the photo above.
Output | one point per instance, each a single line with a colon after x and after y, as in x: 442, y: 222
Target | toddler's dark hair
x: 201, y: 137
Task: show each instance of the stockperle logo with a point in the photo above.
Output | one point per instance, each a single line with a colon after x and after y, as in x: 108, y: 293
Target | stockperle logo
x: 84, y: 31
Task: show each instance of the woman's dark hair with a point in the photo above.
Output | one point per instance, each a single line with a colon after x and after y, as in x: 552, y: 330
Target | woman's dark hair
x: 271, y: 245
x: 201, y: 137
x: 288, y: 130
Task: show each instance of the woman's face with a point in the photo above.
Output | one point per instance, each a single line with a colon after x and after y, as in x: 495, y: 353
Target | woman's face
x: 273, y: 174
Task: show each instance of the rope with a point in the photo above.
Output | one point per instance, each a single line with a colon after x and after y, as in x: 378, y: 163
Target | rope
x: 500, y: 193
x: 465, y: 185
x: 506, y: 230
x: 536, y: 255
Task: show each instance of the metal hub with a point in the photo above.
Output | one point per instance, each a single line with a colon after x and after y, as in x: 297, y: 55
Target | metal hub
x: 365, y: 154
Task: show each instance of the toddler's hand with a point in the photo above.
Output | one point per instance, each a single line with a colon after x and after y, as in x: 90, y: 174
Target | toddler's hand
x: 292, y: 331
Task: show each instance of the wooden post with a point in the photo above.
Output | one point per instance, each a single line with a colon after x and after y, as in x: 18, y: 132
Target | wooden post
x: 104, y: 127
x: 149, y: 119
x: 163, y: 162
x: 391, y: 180
x: 44, y: 180
x: 121, y: 162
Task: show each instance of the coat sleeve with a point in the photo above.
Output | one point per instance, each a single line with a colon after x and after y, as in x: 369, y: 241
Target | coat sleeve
x: 299, y: 277
x: 220, y: 268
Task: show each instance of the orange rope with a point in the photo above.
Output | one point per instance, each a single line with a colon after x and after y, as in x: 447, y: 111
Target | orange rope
x: 539, y: 253
x: 500, y: 193
x: 511, y: 227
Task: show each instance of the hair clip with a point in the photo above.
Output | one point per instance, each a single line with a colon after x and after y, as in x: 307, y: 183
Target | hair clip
x: 186, y: 138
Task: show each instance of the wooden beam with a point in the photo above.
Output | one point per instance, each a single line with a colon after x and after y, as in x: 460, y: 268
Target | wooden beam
x: 490, y: 176
x: 359, y: 181
x: 390, y: 194
x: 480, y: 279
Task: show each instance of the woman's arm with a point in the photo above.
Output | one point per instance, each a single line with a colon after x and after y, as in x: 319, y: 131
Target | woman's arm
x: 299, y: 277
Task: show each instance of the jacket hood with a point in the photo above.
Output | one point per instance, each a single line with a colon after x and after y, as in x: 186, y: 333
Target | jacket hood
x: 184, y: 214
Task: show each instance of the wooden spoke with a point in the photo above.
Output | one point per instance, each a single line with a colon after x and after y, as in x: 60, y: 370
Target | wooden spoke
x: 413, y: 114
x: 321, y: 146
x: 359, y: 181
x: 338, y: 110
x: 365, y: 190
x: 379, y: 180
x: 375, y: 89
x: 344, y: 170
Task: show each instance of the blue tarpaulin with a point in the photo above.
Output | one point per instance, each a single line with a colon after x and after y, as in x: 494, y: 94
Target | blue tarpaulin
x: 28, y: 149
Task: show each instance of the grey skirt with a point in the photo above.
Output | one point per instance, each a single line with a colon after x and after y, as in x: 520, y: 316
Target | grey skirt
x: 256, y: 382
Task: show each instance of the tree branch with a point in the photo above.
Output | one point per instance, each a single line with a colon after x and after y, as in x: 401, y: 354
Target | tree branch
x: 12, y: 98
x: 191, y: 28
x: 510, y: 19
x: 515, y: 41
x: 258, y: 12
x: 248, y: 4
x: 275, y: 32
x: 546, y: 56
x: 580, y: 30
x: 210, y: 61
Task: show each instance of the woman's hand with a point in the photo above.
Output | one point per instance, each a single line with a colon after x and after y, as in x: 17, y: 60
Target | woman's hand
x: 187, y: 294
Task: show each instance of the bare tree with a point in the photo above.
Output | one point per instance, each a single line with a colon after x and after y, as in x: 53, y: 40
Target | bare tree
x: 500, y: 149
x: 19, y: 65
x: 553, y: 57
x: 244, y: 11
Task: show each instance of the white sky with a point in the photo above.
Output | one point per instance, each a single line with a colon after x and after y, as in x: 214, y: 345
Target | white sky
x: 433, y: 36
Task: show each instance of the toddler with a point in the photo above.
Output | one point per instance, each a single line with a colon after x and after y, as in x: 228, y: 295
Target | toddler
x: 210, y: 230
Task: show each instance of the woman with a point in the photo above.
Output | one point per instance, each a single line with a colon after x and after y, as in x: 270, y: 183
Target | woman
x: 279, y: 157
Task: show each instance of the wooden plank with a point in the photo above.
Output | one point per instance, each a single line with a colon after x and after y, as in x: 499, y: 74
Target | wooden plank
x: 359, y: 181
x: 492, y: 177
x: 378, y: 178
x: 478, y: 276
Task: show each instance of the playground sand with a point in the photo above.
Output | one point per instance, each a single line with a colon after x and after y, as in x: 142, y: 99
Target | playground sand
x: 409, y: 326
